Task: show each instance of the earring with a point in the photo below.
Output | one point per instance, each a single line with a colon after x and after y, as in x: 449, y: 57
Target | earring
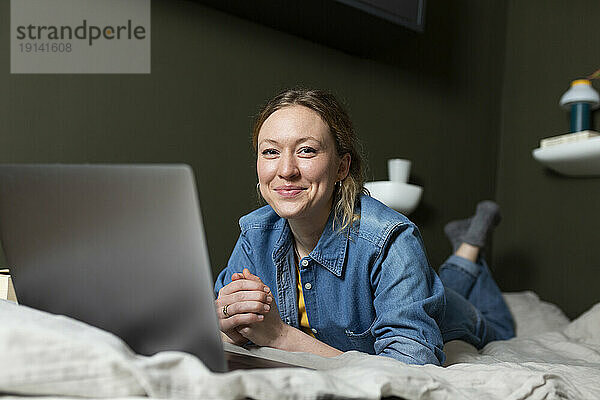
x: 258, y: 186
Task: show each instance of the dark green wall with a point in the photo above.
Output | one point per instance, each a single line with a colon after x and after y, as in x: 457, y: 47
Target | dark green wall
x: 466, y: 101
x: 436, y: 102
x: 549, y: 241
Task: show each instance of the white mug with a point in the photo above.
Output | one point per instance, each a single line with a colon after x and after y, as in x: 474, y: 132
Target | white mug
x: 399, y: 170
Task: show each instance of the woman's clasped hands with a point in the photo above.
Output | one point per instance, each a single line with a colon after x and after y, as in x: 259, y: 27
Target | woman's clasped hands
x: 246, y: 311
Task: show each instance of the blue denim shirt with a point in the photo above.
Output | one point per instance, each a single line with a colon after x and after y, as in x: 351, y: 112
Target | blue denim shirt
x: 370, y: 288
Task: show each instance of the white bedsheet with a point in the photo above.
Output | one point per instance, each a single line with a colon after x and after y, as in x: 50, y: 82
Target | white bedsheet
x: 551, y: 358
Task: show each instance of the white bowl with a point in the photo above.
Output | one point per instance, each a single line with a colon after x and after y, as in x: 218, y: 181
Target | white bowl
x: 402, y: 197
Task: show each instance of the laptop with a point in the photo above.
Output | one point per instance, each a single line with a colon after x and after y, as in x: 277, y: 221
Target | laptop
x: 120, y: 247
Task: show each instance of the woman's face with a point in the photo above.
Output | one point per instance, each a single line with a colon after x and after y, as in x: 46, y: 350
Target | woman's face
x: 298, y: 164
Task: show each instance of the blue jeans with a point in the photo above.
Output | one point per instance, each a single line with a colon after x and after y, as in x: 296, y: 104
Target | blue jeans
x: 475, y: 310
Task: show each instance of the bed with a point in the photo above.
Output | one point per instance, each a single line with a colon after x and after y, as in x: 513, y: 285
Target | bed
x: 57, y: 357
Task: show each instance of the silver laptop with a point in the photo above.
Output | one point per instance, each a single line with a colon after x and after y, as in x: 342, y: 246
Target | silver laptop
x: 121, y: 247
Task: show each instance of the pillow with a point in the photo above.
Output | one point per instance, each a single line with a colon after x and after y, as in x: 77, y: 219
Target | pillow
x: 534, y: 316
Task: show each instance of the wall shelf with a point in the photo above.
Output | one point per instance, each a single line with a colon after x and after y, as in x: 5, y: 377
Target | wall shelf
x: 580, y: 158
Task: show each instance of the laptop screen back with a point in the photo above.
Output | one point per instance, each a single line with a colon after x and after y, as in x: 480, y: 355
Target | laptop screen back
x: 120, y: 247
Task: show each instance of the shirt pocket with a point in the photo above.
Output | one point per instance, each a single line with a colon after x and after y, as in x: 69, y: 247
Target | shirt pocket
x: 362, y: 341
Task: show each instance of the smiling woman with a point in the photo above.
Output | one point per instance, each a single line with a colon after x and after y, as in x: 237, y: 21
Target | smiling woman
x: 339, y: 128
x: 325, y: 268
x: 298, y: 166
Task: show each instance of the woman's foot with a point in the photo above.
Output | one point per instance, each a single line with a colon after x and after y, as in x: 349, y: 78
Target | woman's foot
x: 474, y: 230
x: 455, y: 230
x: 486, y: 218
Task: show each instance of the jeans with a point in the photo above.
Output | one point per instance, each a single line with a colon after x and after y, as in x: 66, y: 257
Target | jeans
x: 475, y: 310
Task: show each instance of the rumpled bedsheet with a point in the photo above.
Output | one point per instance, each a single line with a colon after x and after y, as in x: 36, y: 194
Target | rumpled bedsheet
x: 56, y: 357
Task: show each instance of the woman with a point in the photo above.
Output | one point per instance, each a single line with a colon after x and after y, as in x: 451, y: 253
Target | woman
x: 324, y: 268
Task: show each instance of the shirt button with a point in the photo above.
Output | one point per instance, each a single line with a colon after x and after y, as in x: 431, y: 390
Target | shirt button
x: 314, y: 331
x: 305, y: 263
x: 307, y: 286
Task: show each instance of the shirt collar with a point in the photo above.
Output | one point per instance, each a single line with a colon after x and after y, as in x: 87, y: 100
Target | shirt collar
x: 330, y: 251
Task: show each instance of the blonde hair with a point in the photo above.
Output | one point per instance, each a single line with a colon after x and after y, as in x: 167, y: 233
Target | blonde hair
x: 340, y: 126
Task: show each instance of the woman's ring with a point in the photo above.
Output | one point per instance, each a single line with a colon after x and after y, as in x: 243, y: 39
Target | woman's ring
x: 225, y: 310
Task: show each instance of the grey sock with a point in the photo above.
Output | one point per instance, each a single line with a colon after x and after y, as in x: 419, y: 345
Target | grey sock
x: 483, y: 222
x: 455, y: 230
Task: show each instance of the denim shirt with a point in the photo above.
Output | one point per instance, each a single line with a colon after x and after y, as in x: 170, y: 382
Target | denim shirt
x: 368, y: 288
